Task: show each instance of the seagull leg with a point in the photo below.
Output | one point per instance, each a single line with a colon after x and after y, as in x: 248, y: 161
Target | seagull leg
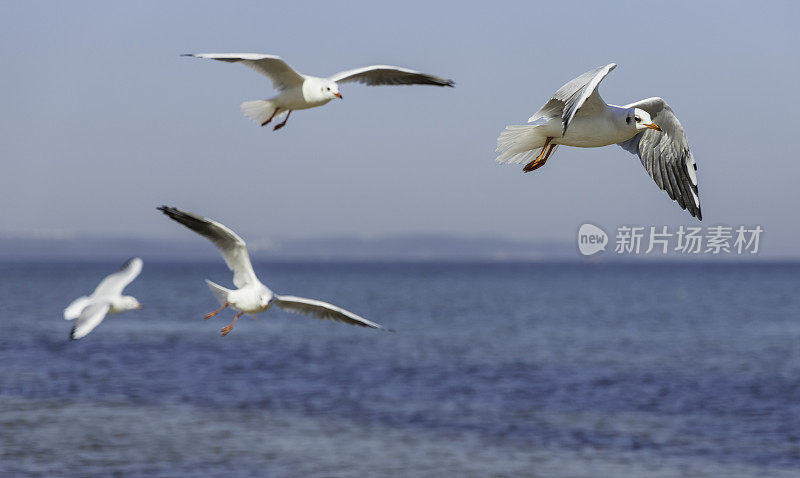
x: 541, y: 159
x: 552, y: 147
x: 212, y: 314
x: 281, y: 125
x: 270, y: 118
x: 228, y: 327
x: 541, y: 162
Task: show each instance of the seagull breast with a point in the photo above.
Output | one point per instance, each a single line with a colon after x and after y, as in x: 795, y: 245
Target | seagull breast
x: 248, y: 299
x: 594, y: 130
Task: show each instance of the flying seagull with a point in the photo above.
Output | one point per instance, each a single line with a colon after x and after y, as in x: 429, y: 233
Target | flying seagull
x: 577, y: 116
x: 107, y: 298
x: 251, y: 296
x: 299, y: 92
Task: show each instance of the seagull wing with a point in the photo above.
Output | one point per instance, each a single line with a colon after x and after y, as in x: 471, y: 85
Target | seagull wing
x: 389, y: 75
x: 90, y: 317
x: 113, y: 284
x: 666, y: 156
x: 580, y: 92
x: 73, y: 310
x: 272, y: 66
x: 232, y: 247
x: 322, y: 310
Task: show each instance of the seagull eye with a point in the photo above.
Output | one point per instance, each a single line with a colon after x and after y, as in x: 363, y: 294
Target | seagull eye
x: 637, y: 119
x: 328, y: 89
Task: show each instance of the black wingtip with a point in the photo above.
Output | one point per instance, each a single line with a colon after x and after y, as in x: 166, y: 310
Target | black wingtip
x: 183, y: 217
x: 128, y: 263
x: 187, y: 54
x: 171, y: 212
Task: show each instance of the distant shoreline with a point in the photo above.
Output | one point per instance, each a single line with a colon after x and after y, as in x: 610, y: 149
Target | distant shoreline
x: 391, y: 249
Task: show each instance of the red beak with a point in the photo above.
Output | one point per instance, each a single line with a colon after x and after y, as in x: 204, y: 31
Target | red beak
x: 338, y: 95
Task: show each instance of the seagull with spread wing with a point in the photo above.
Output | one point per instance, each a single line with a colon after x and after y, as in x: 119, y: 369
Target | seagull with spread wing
x: 251, y: 296
x: 577, y: 116
x: 107, y: 298
x: 299, y: 92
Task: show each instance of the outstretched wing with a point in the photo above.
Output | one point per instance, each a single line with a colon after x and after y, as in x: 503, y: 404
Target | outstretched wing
x: 232, y: 247
x: 90, y: 318
x: 322, y: 310
x: 389, y: 75
x: 666, y: 156
x: 580, y: 92
x: 271, y: 66
x: 73, y: 310
x: 113, y: 284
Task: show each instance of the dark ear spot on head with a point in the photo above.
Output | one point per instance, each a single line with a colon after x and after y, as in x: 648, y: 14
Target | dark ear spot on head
x: 628, y: 119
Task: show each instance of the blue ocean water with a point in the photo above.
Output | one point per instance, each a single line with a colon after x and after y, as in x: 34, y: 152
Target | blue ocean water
x: 500, y: 369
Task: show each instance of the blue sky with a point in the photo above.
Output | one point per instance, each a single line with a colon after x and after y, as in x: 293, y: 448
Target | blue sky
x: 102, y: 120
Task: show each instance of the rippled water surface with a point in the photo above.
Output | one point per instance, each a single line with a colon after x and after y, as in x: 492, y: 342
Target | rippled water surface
x: 495, y: 370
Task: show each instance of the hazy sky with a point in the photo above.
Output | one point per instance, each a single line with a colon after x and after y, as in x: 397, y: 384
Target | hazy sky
x: 101, y: 120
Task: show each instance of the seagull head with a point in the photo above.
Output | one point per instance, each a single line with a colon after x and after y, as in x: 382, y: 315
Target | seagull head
x: 129, y: 303
x: 330, y: 90
x: 640, y: 120
x: 265, y: 297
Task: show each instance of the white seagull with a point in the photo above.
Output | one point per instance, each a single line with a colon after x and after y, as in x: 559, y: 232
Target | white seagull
x: 299, y: 92
x: 107, y: 298
x: 577, y: 116
x: 251, y: 296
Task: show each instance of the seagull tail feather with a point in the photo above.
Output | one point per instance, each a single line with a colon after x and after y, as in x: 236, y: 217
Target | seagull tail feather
x: 219, y: 292
x: 519, y: 144
x: 261, y: 111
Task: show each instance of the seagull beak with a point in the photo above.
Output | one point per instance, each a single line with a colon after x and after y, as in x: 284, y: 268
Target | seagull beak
x: 654, y: 126
x: 338, y: 95
x: 139, y: 306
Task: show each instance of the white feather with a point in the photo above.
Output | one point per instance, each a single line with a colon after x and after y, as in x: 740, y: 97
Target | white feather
x: 519, y: 144
x: 73, y: 310
x: 260, y: 111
